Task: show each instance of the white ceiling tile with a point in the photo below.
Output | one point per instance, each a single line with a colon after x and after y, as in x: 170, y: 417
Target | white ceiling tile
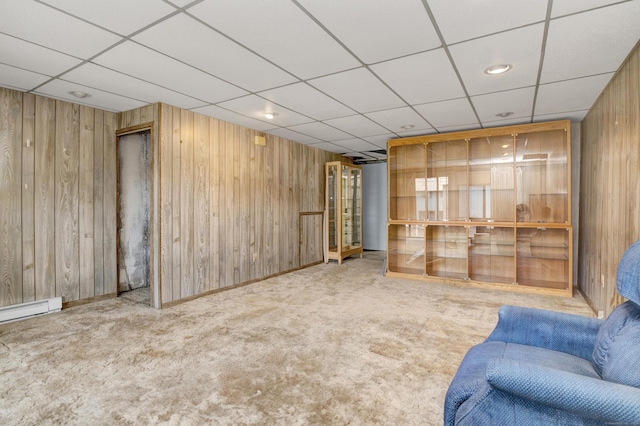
x: 570, y: 95
x: 377, y: 30
x: 394, y: 119
x: 328, y: 146
x: 294, y: 136
x: 103, y: 100
x: 565, y: 7
x: 175, y: 37
x: 380, y: 140
x: 519, y: 102
x: 29, y: 56
x: 357, y: 145
x: 358, y: 89
x: 466, y: 19
x: 233, y: 117
x: 414, y: 77
x: 591, y: 43
x: 305, y: 99
x: 50, y: 28
x: 145, y: 64
x: 459, y: 128
x: 279, y: 31
x: 416, y: 133
x: 520, y: 48
x: 254, y: 106
x: 507, y: 122
x: 20, y: 79
x: 320, y: 131
x: 93, y: 75
x: 357, y: 125
x: 181, y: 3
x: 448, y: 113
x: 574, y: 116
x: 121, y: 16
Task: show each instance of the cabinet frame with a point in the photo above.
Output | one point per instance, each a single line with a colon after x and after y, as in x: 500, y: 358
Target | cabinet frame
x: 549, y: 135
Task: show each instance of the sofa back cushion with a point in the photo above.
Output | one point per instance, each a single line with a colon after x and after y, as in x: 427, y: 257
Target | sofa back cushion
x: 616, y: 354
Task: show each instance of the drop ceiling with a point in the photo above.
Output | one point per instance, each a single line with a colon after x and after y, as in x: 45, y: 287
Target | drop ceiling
x: 342, y: 75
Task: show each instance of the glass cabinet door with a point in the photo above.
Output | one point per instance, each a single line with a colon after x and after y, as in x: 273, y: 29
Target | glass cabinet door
x: 446, y: 251
x: 542, y: 177
x: 351, y: 202
x: 407, y: 182
x: 491, y: 179
x: 492, y: 254
x: 543, y: 257
x: 332, y: 207
x: 447, y: 180
x: 406, y: 249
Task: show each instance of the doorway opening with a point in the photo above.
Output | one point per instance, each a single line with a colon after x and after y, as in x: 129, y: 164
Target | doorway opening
x: 134, y: 216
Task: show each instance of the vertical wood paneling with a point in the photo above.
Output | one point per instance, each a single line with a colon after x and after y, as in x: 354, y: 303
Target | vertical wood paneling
x: 10, y: 188
x: 86, y: 207
x: 186, y: 202
x: 269, y: 203
x: 175, y: 197
x: 226, y: 245
x: 201, y: 135
x: 109, y: 205
x: 28, y: 198
x: 44, y: 203
x: 214, y: 199
x: 259, y: 191
x: 166, y: 207
x: 609, y: 189
x: 236, y: 204
x: 244, y: 194
x: 98, y: 204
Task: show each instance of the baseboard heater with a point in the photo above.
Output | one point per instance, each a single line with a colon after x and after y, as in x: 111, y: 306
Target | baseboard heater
x: 30, y: 309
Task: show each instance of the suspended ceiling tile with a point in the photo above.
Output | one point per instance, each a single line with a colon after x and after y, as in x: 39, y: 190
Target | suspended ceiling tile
x: 121, y: 16
x: 358, y: 89
x: 456, y: 112
x: 507, y: 122
x: 279, y: 31
x: 255, y: 107
x: 566, y: 7
x: 357, y: 125
x: 377, y: 30
x: 138, y: 61
x: 591, y: 43
x: 305, y: 99
x: 331, y: 147
x: 181, y: 3
x: 43, y: 25
x: 356, y: 144
x: 416, y: 133
x: 20, y: 79
x: 421, y: 78
x: 459, y: 128
x: 221, y: 57
x: 31, y: 57
x: 574, y: 116
x: 466, y: 19
x: 395, y: 119
x: 233, y: 117
x: 93, y: 75
x: 103, y: 100
x: 519, y: 102
x: 321, y: 131
x: 570, y: 95
x: 294, y: 136
x: 380, y: 140
x: 519, y: 48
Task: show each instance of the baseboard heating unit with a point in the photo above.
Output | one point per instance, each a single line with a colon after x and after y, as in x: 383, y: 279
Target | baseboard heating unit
x: 30, y: 309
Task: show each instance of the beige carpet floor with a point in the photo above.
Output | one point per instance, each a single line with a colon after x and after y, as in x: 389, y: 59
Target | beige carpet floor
x: 325, y: 345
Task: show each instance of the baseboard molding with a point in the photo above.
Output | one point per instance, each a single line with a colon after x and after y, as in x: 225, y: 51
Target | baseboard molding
x: 29, y: 309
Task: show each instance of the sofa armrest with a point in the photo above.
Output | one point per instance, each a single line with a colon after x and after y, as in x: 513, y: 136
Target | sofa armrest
x: 572, y: 334
x: 589, y: 397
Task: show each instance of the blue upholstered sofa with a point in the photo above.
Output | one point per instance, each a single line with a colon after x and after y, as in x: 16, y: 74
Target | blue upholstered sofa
x: 547, y: 368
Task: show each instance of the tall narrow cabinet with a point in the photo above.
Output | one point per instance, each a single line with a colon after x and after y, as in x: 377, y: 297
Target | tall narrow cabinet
x: 343, y: 211
x: 490, y: 207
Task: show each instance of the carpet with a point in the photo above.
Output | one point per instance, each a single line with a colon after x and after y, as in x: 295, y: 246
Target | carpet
x: 329, y: 344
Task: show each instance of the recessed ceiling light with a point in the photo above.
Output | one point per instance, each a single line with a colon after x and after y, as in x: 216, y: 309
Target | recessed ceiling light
x: 504, y: 114
x: 498, y: 69
x: 407, y: 126
x: 270, y: 115
x: 78, y: 94
x: 505, y: 145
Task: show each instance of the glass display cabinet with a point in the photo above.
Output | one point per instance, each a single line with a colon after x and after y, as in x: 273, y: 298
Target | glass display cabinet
x: 488, y: 206
x: 343, y: 215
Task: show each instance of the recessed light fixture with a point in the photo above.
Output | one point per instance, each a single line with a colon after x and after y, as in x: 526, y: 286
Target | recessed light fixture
x: 498, y: 69
x: 270, y: 115
x: 505, y: 145
x: 504, y: 114
x: 78, y: 94
x: 407, y: 126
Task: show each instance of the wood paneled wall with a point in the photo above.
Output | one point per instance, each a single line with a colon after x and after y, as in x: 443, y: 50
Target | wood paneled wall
x: 609, y: 187
x: 57, y: 192
x: 228, y: 210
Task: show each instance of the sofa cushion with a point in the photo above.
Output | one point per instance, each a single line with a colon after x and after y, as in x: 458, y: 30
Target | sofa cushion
x: 616, y: 352
x: 628, y: 274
